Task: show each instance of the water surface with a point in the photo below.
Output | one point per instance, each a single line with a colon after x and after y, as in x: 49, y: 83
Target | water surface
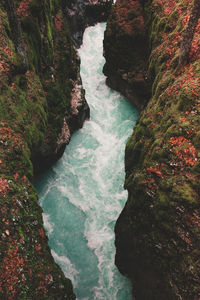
x: 82, y: 195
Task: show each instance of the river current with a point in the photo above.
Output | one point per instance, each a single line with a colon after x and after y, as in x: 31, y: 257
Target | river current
x: 82, y: 195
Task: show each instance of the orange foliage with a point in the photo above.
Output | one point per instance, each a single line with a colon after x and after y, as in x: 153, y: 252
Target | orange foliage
x: 184, y: 150
x: 12, y: 267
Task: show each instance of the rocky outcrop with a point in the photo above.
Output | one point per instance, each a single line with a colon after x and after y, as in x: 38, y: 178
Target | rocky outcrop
x: 97, y: 11
x: 37, y: 117
x: 42, y: 104
x: 74, y: 115
x: 74, y: 118
x: 126, y: 51
x: 83, y: 13
x: 158, y: 231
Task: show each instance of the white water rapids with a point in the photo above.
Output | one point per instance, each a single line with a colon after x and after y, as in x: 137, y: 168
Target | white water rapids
x: 82, y: 195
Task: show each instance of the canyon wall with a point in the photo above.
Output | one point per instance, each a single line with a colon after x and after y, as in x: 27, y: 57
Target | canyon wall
x: 158, y: 231
x: 42, y: 103
x: 126, y: 51
x: 82, y: 13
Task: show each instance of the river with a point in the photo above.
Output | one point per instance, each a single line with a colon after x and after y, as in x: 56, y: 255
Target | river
x: 82, y: 194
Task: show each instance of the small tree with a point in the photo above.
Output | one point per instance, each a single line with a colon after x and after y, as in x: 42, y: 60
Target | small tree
x: 188, y: 35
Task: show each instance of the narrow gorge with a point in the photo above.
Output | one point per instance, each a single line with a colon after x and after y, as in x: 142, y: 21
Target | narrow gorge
x: 82, y: 195
x: 152, y: 57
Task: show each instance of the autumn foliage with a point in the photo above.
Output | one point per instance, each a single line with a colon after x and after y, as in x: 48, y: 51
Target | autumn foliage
x: 13, y: 267
x: 23, y: 9
x: 160, y: 224
x: 27, y: 269
x: 129, y: 15
x: 184, y: 150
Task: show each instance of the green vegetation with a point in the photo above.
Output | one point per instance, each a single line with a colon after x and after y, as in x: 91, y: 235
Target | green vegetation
x: 33, y: 106
x: 158, y: 231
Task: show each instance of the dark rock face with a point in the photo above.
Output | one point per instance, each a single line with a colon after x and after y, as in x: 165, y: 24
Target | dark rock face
x: 97, y: 11
x: 35, y: 97
x: 158, y: 232
x: 135, y: 261
x: 82, y: 13
x: 126, y: 52
x: 73, y: 119
x: 77, y: 16
x: 79, y: 110
x: 75, y: 19
x: 42, y: 104
x: 137, y: 93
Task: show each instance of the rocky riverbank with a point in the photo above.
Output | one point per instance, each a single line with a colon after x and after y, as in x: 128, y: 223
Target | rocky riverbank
x: 42, y: 103
x: 158, y: 231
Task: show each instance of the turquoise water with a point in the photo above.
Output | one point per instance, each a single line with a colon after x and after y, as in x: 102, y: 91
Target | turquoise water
x: 82, y: 195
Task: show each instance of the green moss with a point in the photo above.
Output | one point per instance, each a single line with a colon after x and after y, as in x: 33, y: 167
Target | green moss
x: 142, y: 131
x: 162, y: 177
x: 26, y: 118
x: 162, y: 84
x: 49, y: 32
x: 155, y: 36
x: 183, y: 102
x: 196, y: 138
x: 185, y: 193
x: 32, y: 32
x: 163, y: 197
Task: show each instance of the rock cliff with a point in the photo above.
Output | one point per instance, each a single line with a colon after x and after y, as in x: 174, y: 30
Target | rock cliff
x: 82, y: 13
x: 158, y: 231
x: 126, y: 51
x: 42, y: 103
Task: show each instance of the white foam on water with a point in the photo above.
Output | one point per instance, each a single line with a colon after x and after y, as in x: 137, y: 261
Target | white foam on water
x: 89, y: 184
x: 105, y: 204
x: 62, y: 189
x: 47, y: 223
x: 67, y: 267
x: 44, y: 192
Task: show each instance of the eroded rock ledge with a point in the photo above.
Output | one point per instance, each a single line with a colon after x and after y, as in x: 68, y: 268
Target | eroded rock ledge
x: 158, y: 231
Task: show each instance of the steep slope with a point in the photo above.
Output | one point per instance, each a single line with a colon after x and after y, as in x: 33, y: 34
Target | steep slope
x: 126, y: 51
x: 83, y: 13
x: 42, y: 103
x: 35, y: 98
x: 158, y: 231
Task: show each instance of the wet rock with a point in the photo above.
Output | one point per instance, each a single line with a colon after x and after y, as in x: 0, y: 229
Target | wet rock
x: 126, y: 52
x: 158, y: 231
x: 82, y: 13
